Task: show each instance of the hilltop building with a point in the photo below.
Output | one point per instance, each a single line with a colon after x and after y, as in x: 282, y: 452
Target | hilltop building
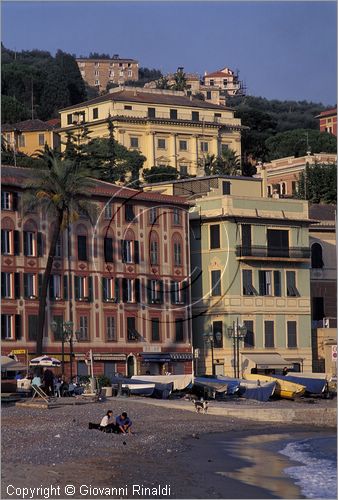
x: 166, y: 126
x: 126, y: 290
x: 30, y: 136
x: 250, y: 262
x: 328, y: 121
x: 227, y: 80
x: 99, y: 72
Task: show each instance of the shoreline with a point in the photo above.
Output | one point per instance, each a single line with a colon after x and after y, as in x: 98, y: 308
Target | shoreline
x: 170, y: 446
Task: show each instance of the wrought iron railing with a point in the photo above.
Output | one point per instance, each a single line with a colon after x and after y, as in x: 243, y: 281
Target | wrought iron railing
x: 266, y: 252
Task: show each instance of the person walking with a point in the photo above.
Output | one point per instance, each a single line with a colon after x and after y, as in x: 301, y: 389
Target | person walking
x: 48, y: 382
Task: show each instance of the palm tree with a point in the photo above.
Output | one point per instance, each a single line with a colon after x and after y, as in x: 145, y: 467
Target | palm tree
x: 180, y: 80
x: 62, y: 190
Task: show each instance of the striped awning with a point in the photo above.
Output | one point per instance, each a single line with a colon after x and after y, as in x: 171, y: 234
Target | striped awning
x: 107, y: 356
x: 181, y: 356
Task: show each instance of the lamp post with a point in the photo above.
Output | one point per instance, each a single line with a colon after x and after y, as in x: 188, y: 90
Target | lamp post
x: 67, y: 334
x: 237, y: 333
x: 212, y: 339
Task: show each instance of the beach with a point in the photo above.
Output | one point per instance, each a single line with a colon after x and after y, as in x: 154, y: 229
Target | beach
x: 174, y: 453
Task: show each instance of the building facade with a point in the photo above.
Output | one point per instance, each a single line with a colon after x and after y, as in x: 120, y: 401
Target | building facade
x: 226, y: 79
x: 323, y: 286
x: 328, y: 121
x: 123, y: 283
x: 99, y: 72
x: 166, y: 126
x: 250, y: 262
x: 283, y: 174
x: 30, y: 136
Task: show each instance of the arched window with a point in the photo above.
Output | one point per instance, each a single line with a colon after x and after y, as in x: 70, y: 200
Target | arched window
x: 82, y: 241
x: 316, y: 256
x: 108, y: 244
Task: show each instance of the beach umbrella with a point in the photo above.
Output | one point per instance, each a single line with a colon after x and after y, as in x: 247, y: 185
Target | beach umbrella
x: 10, y: 364
x: 45, y: 361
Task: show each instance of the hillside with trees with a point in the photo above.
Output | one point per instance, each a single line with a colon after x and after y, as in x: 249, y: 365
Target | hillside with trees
x: 37, y: 85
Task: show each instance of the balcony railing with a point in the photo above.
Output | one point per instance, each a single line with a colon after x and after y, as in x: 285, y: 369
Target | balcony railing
x: 273, y: 252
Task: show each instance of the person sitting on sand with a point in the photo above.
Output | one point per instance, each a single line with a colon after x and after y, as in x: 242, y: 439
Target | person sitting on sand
x: 105, y: 425
x: 124, y: 423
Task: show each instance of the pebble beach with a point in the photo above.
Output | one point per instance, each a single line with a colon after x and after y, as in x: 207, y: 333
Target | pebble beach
x: 54, y: 448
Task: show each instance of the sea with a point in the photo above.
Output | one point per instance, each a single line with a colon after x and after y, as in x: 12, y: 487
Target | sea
x: 316, y: 474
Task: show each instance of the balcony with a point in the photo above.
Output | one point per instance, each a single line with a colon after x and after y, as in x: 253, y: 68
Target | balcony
x: 256, y: 252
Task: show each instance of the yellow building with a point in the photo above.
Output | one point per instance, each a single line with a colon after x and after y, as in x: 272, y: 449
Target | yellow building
x: 166, y: 126
x: 30, y: 136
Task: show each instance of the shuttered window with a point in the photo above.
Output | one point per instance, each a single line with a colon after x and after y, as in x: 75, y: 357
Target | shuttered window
x: 292, y: 334
x: 82, y: 247
x: 216, y: 288
x: 32, y: 327
x: 246, y: 239
x: 217, y: 332
x: 108, y: 249
x: 179, y: 330
x: 249, y: 339
x: 155, y: 329
x: 278, y: 243
x: 248, y: 288
x: 291, y: 289
x: 110, y: 328
x: 214, y: 236
x: 277, y: 290
x: 269, y: 340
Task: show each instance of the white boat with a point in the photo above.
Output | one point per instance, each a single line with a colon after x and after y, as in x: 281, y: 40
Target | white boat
x: 140, y: 389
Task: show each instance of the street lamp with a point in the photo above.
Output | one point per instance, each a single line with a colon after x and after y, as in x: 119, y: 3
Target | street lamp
x: 67, y: 334
x: 237, y: 333
x: 212, y: 338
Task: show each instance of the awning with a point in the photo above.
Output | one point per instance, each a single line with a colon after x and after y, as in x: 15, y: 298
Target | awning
x: 158, y: 357
x: 268, y: 360
x: 103, y: 357
x: 181, y: 356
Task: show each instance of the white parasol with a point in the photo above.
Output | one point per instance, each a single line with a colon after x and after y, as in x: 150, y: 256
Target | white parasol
x: 45, y: 361
x: 10, y: 364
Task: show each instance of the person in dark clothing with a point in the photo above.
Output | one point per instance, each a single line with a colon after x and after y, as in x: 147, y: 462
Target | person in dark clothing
x: 124, y: 423
x: 285, y: 370
x: 48, y: 382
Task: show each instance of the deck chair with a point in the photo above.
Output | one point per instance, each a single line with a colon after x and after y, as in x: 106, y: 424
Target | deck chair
x: 38, y: 392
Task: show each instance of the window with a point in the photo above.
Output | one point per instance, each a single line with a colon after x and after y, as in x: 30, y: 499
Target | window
x: 211, y: 82
x: 41, y: 139
x: 97, y: 82
x: 151, y: 113
x: 217, y: 334
x: 183, y: 145
x: 153, y: 215
x: 204, y: 147
x: 153, y: 252
x: 83, y: 288
x: 82, y: 247
x: 291, y: 289
x: 111, y: 74
x: 127, y: 247
x: 216, y: 287
x: 96, y: 73
x: 224, y: 148
x: 127, y: 106
x: 58, y: 319
x: 29, y: 243
x: 58, y: 248
x: 195, y: 116
x: 217, y: 115
x: 95, y: 113
x: 6, y: 286
x: 122, y: 72
x: 179, y: 330
x: 269, y: 340
x: 153, y: 291
x: 277, y: 286
x: 97, y: 64
x: 225, y: 82
x: 7, y: 329
x: 108, y: 211
x: 318, y: 312
x: 134, y: 142
x: 132, y: 334
x: 110, y: 328
x: 226, y: 187
x: 129, y: 297
x: 177, y: 254
x: 294, y: 187
x: 29, y: 285
x: 55, y: 287
x: 246, y: 239
x: 83, y: 330
x: 292, y: 334
x: 32, y: 326
x: 183, y: 170
x: 108, y: 249
x: 6, y: 199
x: 248, y: 288
x: 130, y: 73
x: 21, y: 141
x: 155, y: 330
x: 176, y: 216
x: 161, y: 144
x: 249, y: 339
x: 173, y: 114
x: 107, y: 289
x: 265, y: 282
x: 316, y: 256
x: 208, y: 96
x: 69, y: 119
x: 6, y: 242
x: 214, y: 236
x: 278, y: 243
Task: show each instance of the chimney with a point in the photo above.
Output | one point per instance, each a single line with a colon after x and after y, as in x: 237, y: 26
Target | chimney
x: 261, y: 169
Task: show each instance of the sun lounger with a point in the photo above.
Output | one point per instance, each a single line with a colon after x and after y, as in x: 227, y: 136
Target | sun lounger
x: 38, y: 392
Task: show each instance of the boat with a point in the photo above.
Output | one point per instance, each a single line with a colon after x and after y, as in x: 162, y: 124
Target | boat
x: 252, y: 389
x: 218, y: 385
x: 179, y: 382
x: 139, y: 389
x: 284, y: 388
x: 312, y: 384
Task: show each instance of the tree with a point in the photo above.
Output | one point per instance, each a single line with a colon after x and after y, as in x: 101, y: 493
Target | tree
x: 62, y: 190
x: 12, y: 110
x: 163, y: 83
x: 75, y: 84
x: 160, y: 174
x: 297, y: 142
x: 226, y: 164
x: 318, y: 183
x: 180, y: 80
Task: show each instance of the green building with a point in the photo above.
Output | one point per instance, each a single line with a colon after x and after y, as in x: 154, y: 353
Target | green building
x: 249, y: 276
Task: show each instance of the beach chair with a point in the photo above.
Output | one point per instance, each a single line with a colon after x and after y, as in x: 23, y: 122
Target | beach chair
x: 38, y: 392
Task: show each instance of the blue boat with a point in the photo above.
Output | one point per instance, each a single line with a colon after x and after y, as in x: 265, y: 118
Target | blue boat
x: 312, y: 385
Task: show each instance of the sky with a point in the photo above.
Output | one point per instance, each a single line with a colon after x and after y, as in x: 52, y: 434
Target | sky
x: 283, y: 50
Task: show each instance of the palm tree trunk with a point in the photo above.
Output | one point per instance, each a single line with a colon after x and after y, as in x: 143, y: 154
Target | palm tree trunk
x: 45, y: 283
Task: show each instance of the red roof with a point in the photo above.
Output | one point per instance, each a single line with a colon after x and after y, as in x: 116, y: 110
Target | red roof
x: 328, y: 112
x: 218, y: 74
x: 54, y: 122
x: 27, y: 126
